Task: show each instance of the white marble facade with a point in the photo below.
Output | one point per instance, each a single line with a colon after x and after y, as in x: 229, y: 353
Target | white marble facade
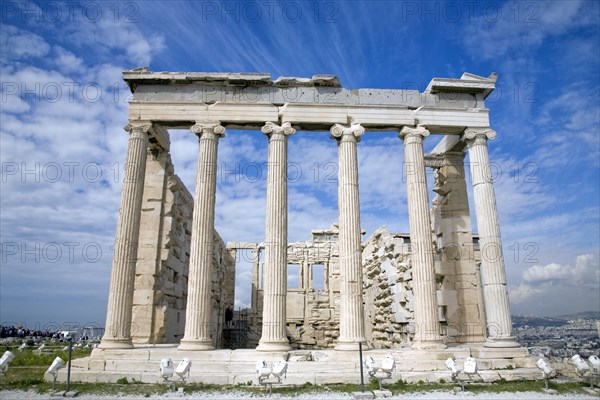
x: 208, y: 104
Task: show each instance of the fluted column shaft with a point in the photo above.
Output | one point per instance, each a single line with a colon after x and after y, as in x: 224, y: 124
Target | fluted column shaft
x: 493, y: 273
x: 198, y: 324
x: 120, y: 298
x: 352, y: 327
x: 274, y: 324
x: 427, y: 327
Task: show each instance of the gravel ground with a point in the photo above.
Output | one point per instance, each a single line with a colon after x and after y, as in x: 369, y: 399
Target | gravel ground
x: 233, y: 395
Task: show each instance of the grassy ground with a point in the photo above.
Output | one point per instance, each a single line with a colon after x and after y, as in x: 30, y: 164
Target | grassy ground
x: 26, y: 372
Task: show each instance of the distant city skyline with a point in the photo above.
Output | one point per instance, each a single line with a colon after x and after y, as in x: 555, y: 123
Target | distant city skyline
x: 64, y: 105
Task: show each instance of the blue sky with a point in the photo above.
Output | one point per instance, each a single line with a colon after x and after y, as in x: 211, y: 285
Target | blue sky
x: 64, y: 105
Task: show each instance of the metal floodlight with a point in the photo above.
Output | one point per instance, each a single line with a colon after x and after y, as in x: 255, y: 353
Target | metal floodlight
x: 388, y: 365
x: 7, y: 357
x: 279, y: 369
x: 183, y: 369
x: 22, y: 347
x: 371, y: 365
x: 580, y: 365
x: 546, y: 369
x: 263, y: 371
x: 57, y: 364
x: 166, y: 368
x: 452, y: 366
x: 595, y: 362
x: 470, y: 366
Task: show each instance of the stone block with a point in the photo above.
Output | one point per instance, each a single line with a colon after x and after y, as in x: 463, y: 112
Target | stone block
x: 363, y: 395
x: 382, y: 393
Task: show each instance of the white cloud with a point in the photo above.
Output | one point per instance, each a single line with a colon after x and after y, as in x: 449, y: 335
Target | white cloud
x: 523, y: 292
x: 584, y: 272
x: 518, y: 27
x: 66, y: 61
x: 19, y: 44
x: 555, y: 288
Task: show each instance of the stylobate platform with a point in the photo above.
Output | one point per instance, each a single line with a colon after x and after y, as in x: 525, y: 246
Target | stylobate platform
x: 315, y: 366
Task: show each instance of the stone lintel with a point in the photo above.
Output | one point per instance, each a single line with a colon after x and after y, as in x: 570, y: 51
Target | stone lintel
x: 309, y: 116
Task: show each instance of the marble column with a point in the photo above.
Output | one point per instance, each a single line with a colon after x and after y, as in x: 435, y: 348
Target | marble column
x: 427, y: 326
x: 352, y: 327
x: 493, y: 273
x: 198, y: 324
x: 117, y: 333
x: 255, y: 277
x: 274, y: 324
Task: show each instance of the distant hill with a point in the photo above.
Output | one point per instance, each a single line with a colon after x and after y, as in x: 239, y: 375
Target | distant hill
x: 581, y: 315
x: 535, y: 320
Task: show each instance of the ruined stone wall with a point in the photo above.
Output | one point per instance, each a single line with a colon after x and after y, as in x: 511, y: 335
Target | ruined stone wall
x: 387, y: 289
x: 160, y: 292
x: 313, y: 314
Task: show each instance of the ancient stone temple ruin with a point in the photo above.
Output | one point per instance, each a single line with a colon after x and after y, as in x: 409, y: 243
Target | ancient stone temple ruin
x: 424, y: 295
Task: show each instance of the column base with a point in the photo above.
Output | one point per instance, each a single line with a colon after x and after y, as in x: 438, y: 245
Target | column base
x: 507, y: 342
x: 273, y: 346
x: 196, y: 345
x: 429, y: 345
x: 351, y: 345
x: 115, y: 344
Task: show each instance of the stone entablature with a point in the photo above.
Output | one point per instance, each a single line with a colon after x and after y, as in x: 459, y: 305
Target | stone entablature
x: 448, y: 106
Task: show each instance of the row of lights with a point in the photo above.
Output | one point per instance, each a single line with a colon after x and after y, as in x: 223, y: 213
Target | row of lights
x: 279, y: 368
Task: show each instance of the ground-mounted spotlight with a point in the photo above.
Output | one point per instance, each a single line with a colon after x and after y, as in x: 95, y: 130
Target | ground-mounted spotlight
x: 166, y: 369
x: 57, y: 364
x: 22, y: 347
x: 580, y: 365
x: 183, y: 369
x: 279, y: 370
x: 371, y: 365
x: 388, y: 365
x: 595, y: 363
x: 7, y: 357
x: 40, y: 349
x: 470, y: 366
x: 454, y: 368
x: 263, y: 371
x: 547, y: 371
x: 584, y: 371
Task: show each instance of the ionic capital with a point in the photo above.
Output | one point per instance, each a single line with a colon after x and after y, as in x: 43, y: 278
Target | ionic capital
x: 271, y: 127
x: 483, y: 133
x: 138, y: 126
x: 354, y: 131
x: 202, y: 127
x: 417, y: 132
